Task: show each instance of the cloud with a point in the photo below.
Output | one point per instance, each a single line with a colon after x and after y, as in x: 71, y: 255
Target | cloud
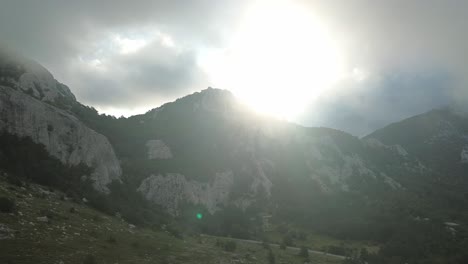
x: 117, y: 53
x: 360, y: 107
x: 414, y: 53
x: 136, y: 74
x: 403, y: 57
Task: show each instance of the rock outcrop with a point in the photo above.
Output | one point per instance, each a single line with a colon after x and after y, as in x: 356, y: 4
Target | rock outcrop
x: 62, y: 134
x: 33, y: 103
x: 157, y: 149
x: 464, y: 155
x: 31, y: 78
x: 172, y: 189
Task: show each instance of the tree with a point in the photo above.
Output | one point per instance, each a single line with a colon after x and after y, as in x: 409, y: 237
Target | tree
x: 7, y: 205
x: 364, y: 255
x: 283, y: 246
x: 271, y: 257
x: 288, y: 241
x: 304, y: 252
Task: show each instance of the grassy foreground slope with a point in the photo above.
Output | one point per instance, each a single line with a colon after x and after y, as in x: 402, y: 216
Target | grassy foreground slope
x: 46, y: 227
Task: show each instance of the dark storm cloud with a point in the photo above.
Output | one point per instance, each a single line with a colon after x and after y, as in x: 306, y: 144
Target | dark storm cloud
x: 150, y: 76
x: 414, y: 51
x: 66, y: 36
x: 417, y: 50
x: 363, y: 107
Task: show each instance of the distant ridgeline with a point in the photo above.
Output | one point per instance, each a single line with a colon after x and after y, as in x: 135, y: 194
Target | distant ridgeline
x: 206, y: 163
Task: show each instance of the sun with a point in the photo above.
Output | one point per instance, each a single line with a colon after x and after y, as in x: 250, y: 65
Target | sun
x: 278, y: 60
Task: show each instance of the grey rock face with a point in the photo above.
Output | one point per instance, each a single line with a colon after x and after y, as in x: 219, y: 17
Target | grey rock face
x: 62, y: 134
x: 464, y: 155
x: 171, y: 189
x: 6, y: 232
x: 157, y: 149
x: 30, y: 77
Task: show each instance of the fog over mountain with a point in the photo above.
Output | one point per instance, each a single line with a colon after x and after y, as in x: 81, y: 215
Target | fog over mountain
x: 222, y: 132
x: 125, y: 58
x: 207, y: 167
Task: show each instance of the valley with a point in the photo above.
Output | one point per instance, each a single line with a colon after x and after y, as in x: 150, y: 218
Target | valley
x: 204, y: 179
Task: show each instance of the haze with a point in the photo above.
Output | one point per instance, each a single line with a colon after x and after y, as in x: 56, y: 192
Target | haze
x: 354, y: 65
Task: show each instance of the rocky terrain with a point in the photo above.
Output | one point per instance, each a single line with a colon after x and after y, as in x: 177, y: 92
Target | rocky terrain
x: 247, y: 175
x: 28, y: 100
x: 47, y: 226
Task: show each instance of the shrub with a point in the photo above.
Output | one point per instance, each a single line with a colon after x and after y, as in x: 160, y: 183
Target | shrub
x: 271, y: 257
x: 135, y: 244
x: 174, y: 231
x: 96, y: 218
x: 89, y: 259
x: 7, y: 205
x: 218, y: 243
x: 283, y: 246
x: 13, y: 180
x: 230, y: 246
x: 283, y: 229
x: 301, y: 235
x: 48, y: 213
x: 288, y: 241
x: 111, y: 240
x: 304, y: 252
x: 338, y: 250
x: 94, y: 234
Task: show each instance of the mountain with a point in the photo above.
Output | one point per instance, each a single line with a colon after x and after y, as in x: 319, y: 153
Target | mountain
x: 207, y: 149
x: 438, y: 138
x: 207, y: 154
x: 31, y: 101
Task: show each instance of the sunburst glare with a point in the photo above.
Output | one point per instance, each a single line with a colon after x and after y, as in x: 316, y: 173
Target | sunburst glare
x: 280, y: 58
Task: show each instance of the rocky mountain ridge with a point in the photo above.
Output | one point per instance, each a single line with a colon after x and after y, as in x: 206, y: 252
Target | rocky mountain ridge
x: 439, y: 138
x: 208, y: 150
x: 260, y: 152
x: 29, y: 99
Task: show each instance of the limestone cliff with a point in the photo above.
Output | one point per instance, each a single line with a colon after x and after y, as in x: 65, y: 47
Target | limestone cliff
x: 172, y: 189
x: 32, y: 105
x: 63, y: 136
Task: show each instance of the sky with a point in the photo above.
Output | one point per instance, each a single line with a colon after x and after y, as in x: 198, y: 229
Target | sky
x: 354, y: 65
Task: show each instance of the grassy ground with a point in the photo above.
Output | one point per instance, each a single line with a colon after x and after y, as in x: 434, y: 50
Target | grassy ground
x: 84, y: 235
x: 258, y: 253
x: 322, y: 242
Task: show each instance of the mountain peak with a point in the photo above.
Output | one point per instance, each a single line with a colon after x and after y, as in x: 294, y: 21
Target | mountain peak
x: 31, y: 78
x: 213, y: 100
x: 214, y: 94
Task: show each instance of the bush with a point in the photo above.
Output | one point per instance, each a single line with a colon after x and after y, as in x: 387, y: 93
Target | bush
x: 301, y: 235
x: 230, y: 246
x: 7, y: 205
x: 48, y: 213
x: 283, y: 246
x: 89, y: 259
x: 304, y: 252
x: 13, y: 180
x: 337, y: 250
x: 174, y: 231
x: 111, y: 240
x: 96, y: 218
x: 283, y: 229
x: 218, y: 243
x: 135, y: 244
x: 271, y: 257
x: 288, y: 241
